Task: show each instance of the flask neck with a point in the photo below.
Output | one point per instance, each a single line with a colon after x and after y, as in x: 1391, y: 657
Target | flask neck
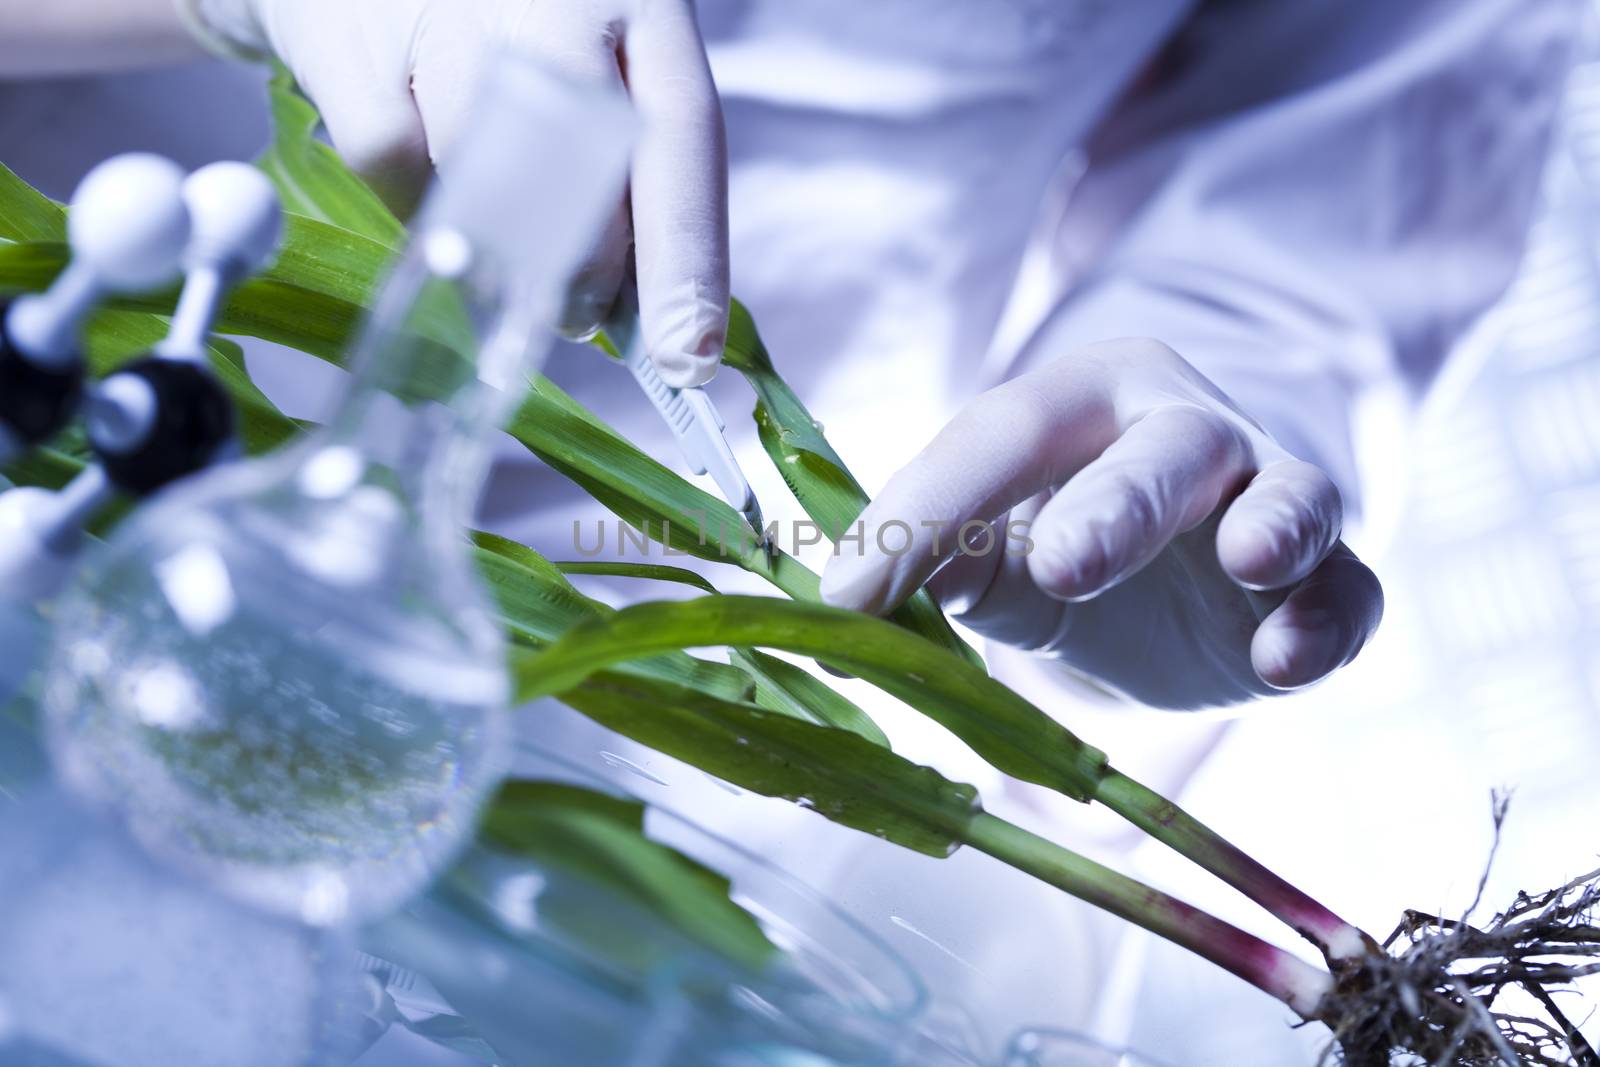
x: 446, y: 354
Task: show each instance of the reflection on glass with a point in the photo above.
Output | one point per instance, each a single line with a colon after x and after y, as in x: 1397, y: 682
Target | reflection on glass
x: 1058, y: 1048
x: 284, y: 674
x: 543, y: 965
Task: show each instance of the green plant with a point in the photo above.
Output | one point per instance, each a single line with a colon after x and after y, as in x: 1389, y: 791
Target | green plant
x: 756, y: 720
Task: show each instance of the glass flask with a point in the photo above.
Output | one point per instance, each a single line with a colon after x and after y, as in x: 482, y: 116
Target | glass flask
x: 283, y: 673
x: 1059, y: 1048
x: 543, y: 966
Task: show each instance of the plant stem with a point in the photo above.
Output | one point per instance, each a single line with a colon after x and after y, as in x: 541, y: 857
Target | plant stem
x: 1265, y: 966
x: 1182, y: 832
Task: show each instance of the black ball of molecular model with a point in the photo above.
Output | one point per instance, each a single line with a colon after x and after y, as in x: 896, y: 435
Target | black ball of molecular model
x: 135, y: 222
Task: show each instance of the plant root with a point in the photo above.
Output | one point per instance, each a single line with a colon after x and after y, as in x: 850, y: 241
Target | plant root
x: 1430, y: 996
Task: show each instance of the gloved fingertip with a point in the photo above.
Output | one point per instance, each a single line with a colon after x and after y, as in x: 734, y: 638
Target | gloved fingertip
x: 1259, y: 554
x: 685, y: 334
x: 686, y: 370
x: 851, y: 583
x: 1067, y: 568
x: 1253, y: 557
x: 1291, y: 654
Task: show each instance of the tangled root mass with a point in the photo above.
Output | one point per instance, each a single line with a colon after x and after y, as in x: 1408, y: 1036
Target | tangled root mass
x: 1438, y: 993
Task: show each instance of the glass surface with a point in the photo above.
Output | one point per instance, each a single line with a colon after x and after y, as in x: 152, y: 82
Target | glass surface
x: 24, y: 636
x: 284, y: 673
x: 544, y: 967
x: 1058, y: 1048
x: 314, y: 749
x: 832, y: 968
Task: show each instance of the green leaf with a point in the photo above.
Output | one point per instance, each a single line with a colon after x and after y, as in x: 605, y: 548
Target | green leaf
x: 47, y: 468
x: 837, y: 498
x: 328, y: 272
x: 313, y: 182
x: 654, y: 572
x: 813, y: 471
x: 115, y: 337
x: 791, y: 690
x: 545, y: 574
x: 601, y: 839
x: 537, y: 605
x: 311, y: 178
x: 841, y: 775
x: 329, y: 269
x: 111, y: 340
x: 646, y: 494
x: 780, y: 686
x: 312, y: 298
x: 1002, y: 727
x: 27, y: 214
x: 643, y: 492
x: 30, y: 266
x: 262, y: 427
x: 827, y: 492
x: 315, y: 294
x: 535, y: 600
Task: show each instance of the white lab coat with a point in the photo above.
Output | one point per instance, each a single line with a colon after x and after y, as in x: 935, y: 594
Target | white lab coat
x: 1305, y: 199
x: 1308, y: 200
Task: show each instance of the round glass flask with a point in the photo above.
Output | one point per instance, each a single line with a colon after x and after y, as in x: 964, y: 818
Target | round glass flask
x: 283, y: 673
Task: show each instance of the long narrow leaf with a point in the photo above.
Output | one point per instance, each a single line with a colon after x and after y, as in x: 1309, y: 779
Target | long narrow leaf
x: 311, y: 178
x: 813, y: 471
x: 317, y: 312
x: 115, y: 337
x: 311, y: 298
x: 833, y: 498
x: 27, y: 214
x: 333, y: 259
x: 29, y: 266
x: 840, y: 775
x: 646, y: 494
x: 780, y: 686
x: 315, y: 183
x: 537, y: 605
x: 601, y: 839
x: 1002, y: 727
x: 790, y: 690
x: 653, y: 572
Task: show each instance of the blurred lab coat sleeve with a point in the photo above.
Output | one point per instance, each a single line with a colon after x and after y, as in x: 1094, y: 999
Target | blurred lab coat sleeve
x: 1313, y: 201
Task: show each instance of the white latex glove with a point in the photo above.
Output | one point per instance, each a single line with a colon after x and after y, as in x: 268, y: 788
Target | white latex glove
x: 393, y: 80
x: 1179, y: 555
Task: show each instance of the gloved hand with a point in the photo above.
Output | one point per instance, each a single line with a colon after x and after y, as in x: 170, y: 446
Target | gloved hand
x: 1174, y: 552
x: 393, y: 79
